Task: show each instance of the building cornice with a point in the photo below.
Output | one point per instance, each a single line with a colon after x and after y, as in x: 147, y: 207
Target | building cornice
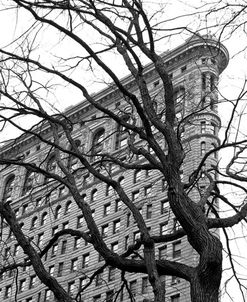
x: 194, y: 43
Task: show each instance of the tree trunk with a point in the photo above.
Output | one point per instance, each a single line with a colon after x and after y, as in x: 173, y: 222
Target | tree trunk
x: 205, y: 291
x: 206, y: 282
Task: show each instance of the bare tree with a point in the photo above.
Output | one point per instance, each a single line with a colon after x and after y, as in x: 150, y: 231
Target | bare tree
x: 29, y: 83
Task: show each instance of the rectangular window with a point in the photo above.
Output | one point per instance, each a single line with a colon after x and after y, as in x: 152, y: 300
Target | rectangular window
x: 51, y: 270
x: 144, y: 285
x: 99, y: 280
x: 68, y: 207
x: 137, y: 235
x: 83, y: 282
x: 156, y: 83
x: 63, y: 247
x: 77, y: 243
x: 101, y: 258
x: 47, y: 295
x: 176, y: 224
x: 85, y: 260
x: 149, y: 172
x: 135, y: 195
x: 80, y: 220
x: 176, y: 249
x: 116, y: 226
x: 54, y: 250
x: 164, y: 206
x: 97, y: 298
x: 175, y: 280
x: 175, y: 298
x: 126, y: 242
x: 133, y: 287
x: 38, y: 202
x: 118, y: 205
x: 114, y: 247
x: 137, y: 176
x: 17, y: 213
x: 204, y: 85
x: 163, y: 185
x: 6, y: 253
x: 163, y: 252
x: 71, y: 287
x: 109, y: 190
x: 48, y: 198
x: 8, y: 290
x: 109, y: 296
x: 203, y: 127
x: 111, y: 273
x: 60, y: 269
x: 148, y: 191
x: 149, y: 211
x: 128, y: 220
x: 104, y: 230
x: 16, y: 249
x: 213, y: 129
x: 22, y: 284
x: 183, y: 69
x: 212, y: 82
x: 24, y: 209
x: 107, y: 209
x: 61, y: 191
x: 32, y: 281
x: 86, y: 179
x: 40, y: 239
x: 65, y: 225
x: 74, y: 264
x: 163, y: 228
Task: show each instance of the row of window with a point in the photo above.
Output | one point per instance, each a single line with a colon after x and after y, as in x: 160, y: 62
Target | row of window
x: 109, y: 295
x: 208, y: 128
x: 208, y: 81
x: 106, y: 211
x: 93, y: 197
x: 80, y: 222
x: 115, y: 225
x: 204, y: 149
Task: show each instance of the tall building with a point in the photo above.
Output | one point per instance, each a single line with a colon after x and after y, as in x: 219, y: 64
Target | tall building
x: 43, y: 207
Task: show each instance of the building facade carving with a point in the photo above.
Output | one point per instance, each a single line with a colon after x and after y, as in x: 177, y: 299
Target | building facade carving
x: 44, y: 208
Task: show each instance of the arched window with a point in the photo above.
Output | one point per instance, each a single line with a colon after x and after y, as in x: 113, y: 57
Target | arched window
x: 43, y: 218
x: 58, y: 212
x: 34, y: 222
x: 94, y: 194
x: 9, y: 185
x: 97, y: 144
x: 67, y: 207
x: 28, y: 184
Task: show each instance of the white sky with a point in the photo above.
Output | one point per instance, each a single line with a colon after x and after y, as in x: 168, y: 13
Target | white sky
x: 231, y: 80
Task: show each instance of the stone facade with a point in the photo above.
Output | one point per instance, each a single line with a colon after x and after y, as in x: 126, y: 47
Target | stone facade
x: 45, y: 209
